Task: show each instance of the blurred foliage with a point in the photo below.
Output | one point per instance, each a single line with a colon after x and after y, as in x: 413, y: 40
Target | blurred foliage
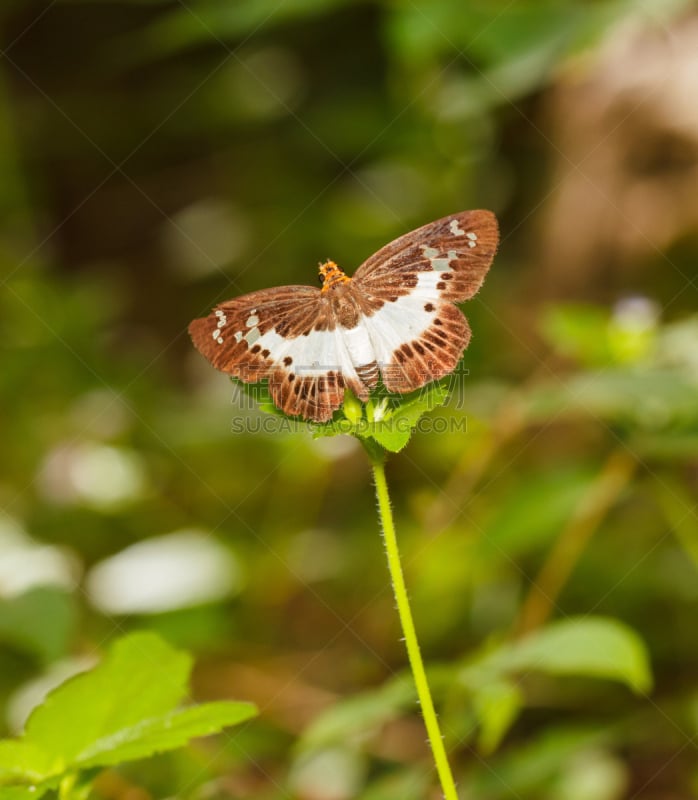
x: 123, y: 710
x: 160, y: 156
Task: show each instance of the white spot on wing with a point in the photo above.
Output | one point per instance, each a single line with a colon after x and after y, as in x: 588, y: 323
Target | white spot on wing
x: 252, y: 321
x: 252, y: 336
x: 455, y: 228
x: 443, y: 263
x: 238, y: 336
x: 438, y: 262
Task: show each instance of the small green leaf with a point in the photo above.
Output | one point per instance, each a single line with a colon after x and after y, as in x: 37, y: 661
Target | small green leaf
x: 360, y: 713
x: 392, y: 436
x: 497, y: 705
x: 395, y: 426
x: 579, y: 332
x: 585, y: 646
x: 141, y: 677
x: 162, y: 733
x: 594, y: 337
x: 353, y: 410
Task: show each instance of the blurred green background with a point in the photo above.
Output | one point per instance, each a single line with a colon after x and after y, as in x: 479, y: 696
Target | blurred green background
x: 160, y: 156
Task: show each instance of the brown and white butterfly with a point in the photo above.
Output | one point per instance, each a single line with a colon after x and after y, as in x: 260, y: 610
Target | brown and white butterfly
x: 395, y: 319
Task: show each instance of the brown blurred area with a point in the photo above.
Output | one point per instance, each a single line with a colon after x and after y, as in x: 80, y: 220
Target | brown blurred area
x: 624, y: 137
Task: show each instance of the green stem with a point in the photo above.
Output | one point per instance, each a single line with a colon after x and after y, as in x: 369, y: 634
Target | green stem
x: 408, y: 629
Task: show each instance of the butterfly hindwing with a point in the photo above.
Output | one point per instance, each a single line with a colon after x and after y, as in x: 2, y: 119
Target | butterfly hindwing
x: 417, y: 342
x: 288, y: 336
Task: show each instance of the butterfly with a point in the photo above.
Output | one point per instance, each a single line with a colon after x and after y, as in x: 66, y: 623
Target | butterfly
x: 393, y: 320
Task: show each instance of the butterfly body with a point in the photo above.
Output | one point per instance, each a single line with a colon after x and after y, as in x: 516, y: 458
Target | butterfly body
x: 395, y: 319
x: 331, y: 276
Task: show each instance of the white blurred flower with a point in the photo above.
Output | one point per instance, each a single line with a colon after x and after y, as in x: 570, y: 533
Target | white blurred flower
x: 26, y: 563
x: 636, y: 314
x: 179, y: 570
x: 97, y: 475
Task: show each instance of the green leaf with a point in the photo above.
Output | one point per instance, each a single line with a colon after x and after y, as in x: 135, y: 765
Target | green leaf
x: 534, y: 511
x: 497, y: 705
x: 40, y: 620
x: 677, y: 504
x: 586, y: 646
x: 360, y: 713
x: 122, y: 710
x: 23, y: 792
x: 653, y: 399
x: 595, y: 337
x: 394, y: 428
x: 22, y: 760
x: 165, y: 732
x: 530, y: 769
x: 183, y: 28
x: 141, y: 677
x: 579, y: 332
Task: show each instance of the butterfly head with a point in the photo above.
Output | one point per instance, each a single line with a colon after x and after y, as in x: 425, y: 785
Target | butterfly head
x: 331, y: 275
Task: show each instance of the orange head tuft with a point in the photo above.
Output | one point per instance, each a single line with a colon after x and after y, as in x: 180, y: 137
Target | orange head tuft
x: 331, y: 274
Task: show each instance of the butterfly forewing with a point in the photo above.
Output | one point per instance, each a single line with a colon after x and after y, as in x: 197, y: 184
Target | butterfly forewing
x: 448, y: 259
x: 395, y: 319
x: 418, y: 334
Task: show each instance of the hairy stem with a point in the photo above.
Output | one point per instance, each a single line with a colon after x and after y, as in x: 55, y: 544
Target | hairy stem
x: 408, y: 629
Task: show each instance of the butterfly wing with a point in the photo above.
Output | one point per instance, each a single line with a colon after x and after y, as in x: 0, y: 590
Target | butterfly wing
x: 409, y: 287
x: 455, y: 251
x: 287, y: 335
